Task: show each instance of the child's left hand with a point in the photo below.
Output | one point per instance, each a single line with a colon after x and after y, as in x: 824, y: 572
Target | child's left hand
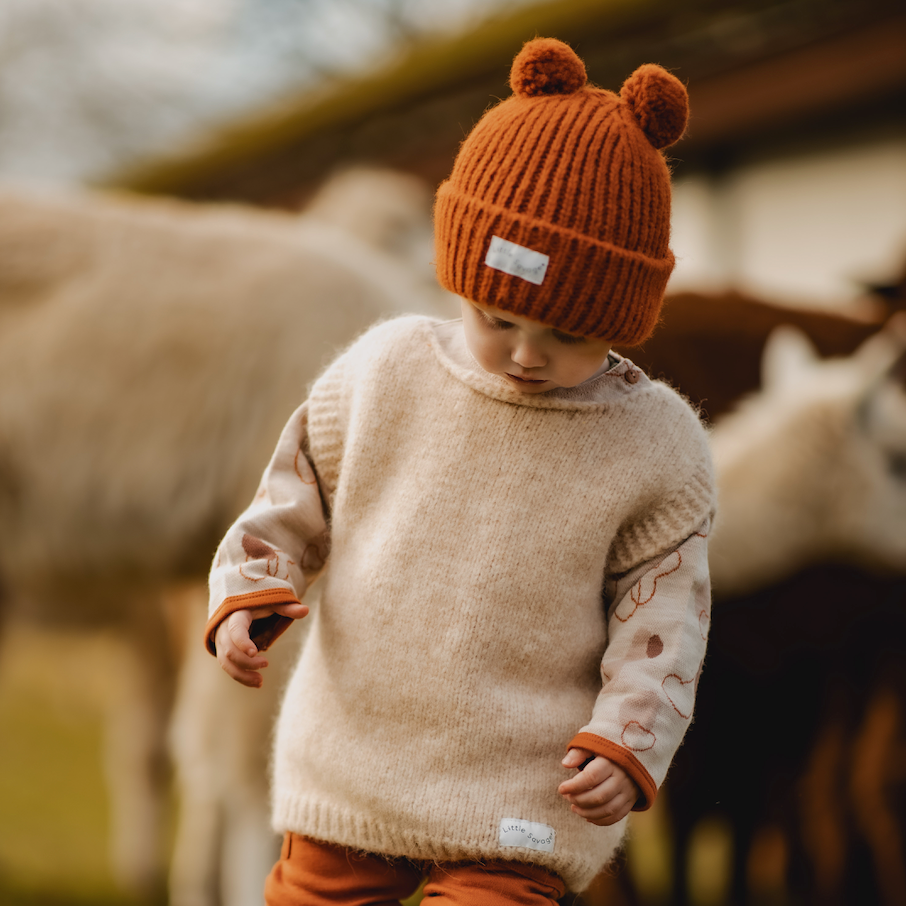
x: 602, y: 793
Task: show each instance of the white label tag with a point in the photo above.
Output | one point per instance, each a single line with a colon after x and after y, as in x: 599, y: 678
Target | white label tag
x: 530, y: 834
x: 517, y: 260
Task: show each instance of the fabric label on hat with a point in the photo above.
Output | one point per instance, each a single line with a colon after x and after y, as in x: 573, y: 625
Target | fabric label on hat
x: 517, y: 260
x: 530, y: 834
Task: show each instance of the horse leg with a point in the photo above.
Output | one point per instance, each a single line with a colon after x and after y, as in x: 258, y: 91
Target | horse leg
x: 136, y: 762
x: 876, y: 768
x: 220, y: 742
x: 195, y: 746
x: 822, y: 819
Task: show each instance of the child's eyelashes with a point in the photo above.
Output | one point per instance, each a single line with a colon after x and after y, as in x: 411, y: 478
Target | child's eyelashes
x: 496, y: 323
x: 567, y: 339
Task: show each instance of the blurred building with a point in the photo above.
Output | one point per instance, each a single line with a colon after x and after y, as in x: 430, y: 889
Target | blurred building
x: 791, y: 182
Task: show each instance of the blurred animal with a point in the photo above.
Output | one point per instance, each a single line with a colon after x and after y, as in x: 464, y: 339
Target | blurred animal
x: 813, y: 467
x: 711, y: 345
x: 149, y: 354
x: 800, y: 724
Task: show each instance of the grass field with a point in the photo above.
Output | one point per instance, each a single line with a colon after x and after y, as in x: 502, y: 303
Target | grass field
x: 53, y: 805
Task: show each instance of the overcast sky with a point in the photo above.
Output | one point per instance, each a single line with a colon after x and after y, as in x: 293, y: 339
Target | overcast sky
x: 91, y: 85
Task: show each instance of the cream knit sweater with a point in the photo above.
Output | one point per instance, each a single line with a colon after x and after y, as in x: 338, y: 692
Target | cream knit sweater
x: 508, y: 573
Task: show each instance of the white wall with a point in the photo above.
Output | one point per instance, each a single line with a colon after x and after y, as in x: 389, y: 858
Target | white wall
x: 803, y: 230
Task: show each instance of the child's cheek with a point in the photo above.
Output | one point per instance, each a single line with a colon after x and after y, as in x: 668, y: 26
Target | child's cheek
x: 489, y: 354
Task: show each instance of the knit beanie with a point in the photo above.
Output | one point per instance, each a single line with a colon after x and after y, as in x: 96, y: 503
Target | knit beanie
x: 558, y: 205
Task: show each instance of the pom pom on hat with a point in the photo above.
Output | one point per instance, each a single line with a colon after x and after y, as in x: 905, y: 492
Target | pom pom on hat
x: 659, y: 102
x: 547, y: 66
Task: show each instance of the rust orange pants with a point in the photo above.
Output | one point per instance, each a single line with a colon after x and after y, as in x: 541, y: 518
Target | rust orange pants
x: 312, y: 873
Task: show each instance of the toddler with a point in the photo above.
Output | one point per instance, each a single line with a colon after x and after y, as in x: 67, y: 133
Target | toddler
x: 511, y: 629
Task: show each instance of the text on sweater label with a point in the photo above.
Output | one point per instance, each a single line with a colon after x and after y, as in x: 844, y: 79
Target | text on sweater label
x: 530, y: 834
x: 517, y: 260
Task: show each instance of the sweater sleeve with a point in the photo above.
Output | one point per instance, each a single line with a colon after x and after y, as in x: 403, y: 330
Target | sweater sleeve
x: 277, y: 547
x: 658, y: 620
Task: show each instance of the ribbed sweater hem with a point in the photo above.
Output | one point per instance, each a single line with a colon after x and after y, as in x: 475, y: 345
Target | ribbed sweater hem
x: 309, y: 818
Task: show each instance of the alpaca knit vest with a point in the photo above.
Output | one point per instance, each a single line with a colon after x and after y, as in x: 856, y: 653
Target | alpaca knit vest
x: 457, y: 649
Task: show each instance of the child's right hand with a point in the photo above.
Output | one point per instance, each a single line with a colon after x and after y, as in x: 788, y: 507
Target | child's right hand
x: 237, y: 653
x: 601, y: 792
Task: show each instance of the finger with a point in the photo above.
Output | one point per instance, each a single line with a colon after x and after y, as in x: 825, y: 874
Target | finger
x: 575, y: 757
x: 242, y: 661
x: 597, y: 804
x: 575, y: 785
x: 238, y: 626
x: 604, y: 815
x: 240, y: 667
x: 249, y: 678
x: 609, y: 791
x: 618, y: 800
x: 597, y: 793
x: 594, y: 775
x: 294, y: 611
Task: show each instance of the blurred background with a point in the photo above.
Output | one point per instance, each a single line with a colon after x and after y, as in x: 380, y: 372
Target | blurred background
x: 161, y: 159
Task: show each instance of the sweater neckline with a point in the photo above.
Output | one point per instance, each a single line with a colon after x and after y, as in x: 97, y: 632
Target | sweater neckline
x: 607, y: 388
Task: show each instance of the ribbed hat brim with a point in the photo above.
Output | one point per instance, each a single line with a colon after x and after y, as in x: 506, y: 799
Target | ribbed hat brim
x: 591, y: 288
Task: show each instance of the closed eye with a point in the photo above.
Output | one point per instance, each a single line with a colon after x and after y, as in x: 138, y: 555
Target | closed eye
x: 496, y: 323
x: 567, y: 338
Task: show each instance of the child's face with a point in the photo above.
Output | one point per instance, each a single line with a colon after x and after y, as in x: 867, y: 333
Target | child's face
x: 533, y: 357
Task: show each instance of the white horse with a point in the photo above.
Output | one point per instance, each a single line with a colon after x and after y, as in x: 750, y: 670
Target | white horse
x: 149, y: 353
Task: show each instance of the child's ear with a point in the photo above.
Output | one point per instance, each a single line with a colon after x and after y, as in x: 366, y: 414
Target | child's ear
x: 659, y: 102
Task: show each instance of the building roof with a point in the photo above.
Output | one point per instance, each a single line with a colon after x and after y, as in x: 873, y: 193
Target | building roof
x: 757, y: 71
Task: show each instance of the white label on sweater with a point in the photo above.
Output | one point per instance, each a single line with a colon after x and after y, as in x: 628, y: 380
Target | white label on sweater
x: 530, y: 834
x: 517, y: 260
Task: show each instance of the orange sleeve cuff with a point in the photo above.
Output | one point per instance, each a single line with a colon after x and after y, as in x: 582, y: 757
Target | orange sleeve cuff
x: 264, y: 632
x: 625, y: 759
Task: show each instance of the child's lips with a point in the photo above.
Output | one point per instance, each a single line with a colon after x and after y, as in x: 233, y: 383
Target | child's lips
x: 524, y: 380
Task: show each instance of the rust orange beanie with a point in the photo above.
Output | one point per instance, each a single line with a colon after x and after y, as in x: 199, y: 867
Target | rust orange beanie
x: 558, y: 206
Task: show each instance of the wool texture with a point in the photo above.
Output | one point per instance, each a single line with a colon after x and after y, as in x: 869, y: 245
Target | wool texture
x: 508, y: 573
x: 575, y: 173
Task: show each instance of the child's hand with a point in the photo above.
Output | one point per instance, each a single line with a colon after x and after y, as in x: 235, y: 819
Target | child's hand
x: 602, y: 793
x: 237, y: 653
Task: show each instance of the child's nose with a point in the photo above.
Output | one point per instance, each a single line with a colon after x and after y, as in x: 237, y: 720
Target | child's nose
x: 526, y: 354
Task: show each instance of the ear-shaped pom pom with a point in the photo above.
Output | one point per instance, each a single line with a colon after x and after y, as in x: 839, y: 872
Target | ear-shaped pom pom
x: 546, y: 66
x: 659, y: 102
